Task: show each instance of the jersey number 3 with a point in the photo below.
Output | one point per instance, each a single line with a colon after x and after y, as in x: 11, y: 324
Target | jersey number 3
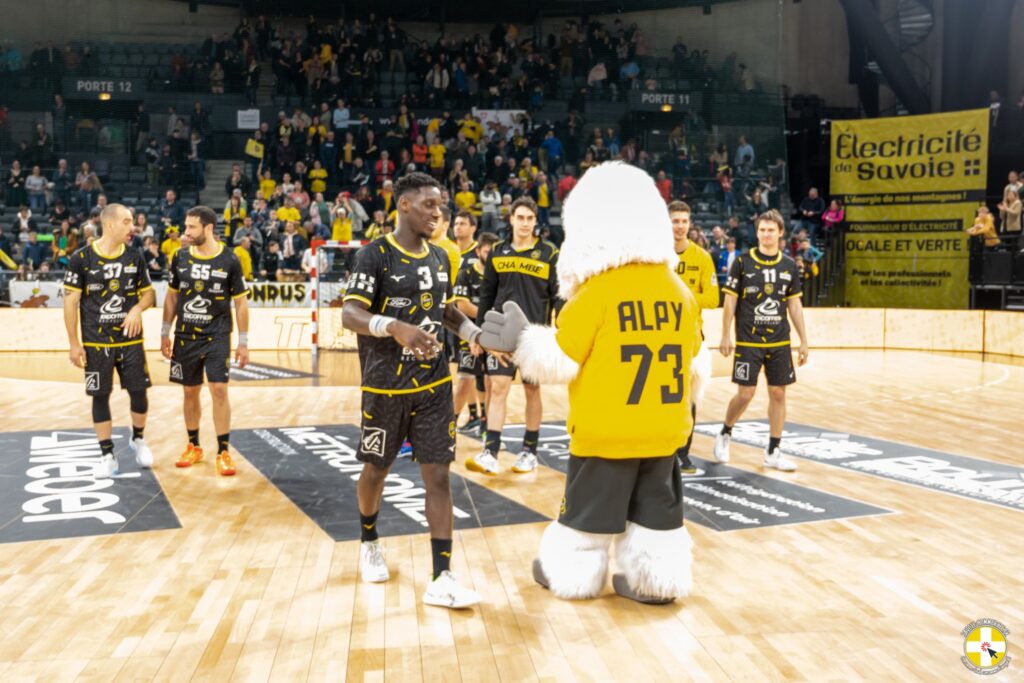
x: 425, y: 280
x: 668, y: 352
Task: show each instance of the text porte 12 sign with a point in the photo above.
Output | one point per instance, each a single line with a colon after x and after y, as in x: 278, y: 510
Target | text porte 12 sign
x: 104, y: 88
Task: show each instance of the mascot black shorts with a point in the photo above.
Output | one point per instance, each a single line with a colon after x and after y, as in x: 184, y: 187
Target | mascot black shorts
x: 601, y: 494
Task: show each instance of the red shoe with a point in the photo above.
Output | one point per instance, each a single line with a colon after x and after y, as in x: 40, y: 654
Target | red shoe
x: 225, y: 466
x: 191, y: 456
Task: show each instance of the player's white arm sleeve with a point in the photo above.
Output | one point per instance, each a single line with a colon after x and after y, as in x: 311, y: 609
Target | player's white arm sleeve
x: 541, y: 359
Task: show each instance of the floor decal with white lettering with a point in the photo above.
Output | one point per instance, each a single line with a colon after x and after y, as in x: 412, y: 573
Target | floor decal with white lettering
x: 316, y: 468
x: 47, y: 489
x: 254, y: 372
x: 721, y: 497
x: 973, y: 478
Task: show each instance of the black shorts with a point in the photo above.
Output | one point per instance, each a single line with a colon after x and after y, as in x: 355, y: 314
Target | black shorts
x: 496, y: 369
x: 601, y: 494
x: 129, y: 361
x: 426, y: 418
x: 777, y: 362
x: 470, y: 365
x: 190, y: 357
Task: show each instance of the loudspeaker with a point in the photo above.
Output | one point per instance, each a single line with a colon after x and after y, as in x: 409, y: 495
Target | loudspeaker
x: 997, y: 267
x: 193, y: 6
x: 1018, y: 269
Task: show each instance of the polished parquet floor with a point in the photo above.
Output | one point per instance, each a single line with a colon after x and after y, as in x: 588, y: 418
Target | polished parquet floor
x: 250, y: 588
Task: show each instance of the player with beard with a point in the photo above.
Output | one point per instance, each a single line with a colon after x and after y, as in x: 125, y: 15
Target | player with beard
x: 204, y: 281
x: 396, y: 302
x: 108, y: 285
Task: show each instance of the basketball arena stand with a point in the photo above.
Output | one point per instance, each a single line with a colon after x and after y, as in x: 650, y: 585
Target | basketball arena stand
x: 332, y: 263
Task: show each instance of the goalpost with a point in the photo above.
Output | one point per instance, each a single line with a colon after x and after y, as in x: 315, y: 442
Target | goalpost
x: 332, y: 262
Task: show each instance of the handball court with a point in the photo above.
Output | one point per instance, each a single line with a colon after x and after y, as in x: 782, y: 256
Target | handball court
x: 242, y: 584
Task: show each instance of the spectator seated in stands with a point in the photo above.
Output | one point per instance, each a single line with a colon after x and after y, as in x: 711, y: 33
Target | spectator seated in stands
x: 833, y: 217
x: 811, y: 210
x: 1010, y: 210
x: 65, y: 242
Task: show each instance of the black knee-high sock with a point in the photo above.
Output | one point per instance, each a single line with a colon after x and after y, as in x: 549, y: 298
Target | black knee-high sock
x: 685, y: 450
x: 441, y: 549
x: 107, y: 446
x: 368, y: 526
x: 222, y: 442
x: 493, y: 441
x: 193, y: 437
x: 530, y: 439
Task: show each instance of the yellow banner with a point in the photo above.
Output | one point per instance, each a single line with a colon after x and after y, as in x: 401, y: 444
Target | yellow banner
x: 910, y: 185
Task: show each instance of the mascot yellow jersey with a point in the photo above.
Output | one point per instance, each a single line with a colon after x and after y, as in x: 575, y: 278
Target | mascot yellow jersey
x: 697, y: 272
x: 633, y: 331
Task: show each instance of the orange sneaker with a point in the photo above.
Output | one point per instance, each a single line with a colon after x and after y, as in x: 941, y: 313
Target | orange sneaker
x: 225, y: 466
x: 191, y: 456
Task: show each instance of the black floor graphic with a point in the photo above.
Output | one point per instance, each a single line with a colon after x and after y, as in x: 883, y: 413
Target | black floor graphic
x: 316, y: 468
x: 47, y: 489
x: 973, y: 478
x: 721, y: 497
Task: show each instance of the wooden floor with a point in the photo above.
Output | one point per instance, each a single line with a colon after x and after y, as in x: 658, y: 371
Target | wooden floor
x: 249, y: 588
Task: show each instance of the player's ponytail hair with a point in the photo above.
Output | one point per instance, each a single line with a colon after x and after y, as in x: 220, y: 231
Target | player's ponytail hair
x: 205, y: 214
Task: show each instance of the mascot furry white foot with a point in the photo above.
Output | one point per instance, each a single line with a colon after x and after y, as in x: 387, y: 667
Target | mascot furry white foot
x: 624, y: 343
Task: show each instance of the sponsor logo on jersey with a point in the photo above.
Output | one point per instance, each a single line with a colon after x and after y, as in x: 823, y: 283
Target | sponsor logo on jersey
x: 200, y: 285
x: 519, y: 264
x: 114, y: 285
x: 95, y: 287
x: 131, y: 268
x: 769, y: 288
x: 428, y: 326
x: 396, y: 278
x: 197, y: 310
x: 767, y: 312
x: 112, y: 310
x: 426, y: 301
x: 442, y: 276
x: 399, y: 302
x: 785, y: 275
x: 220, y: 273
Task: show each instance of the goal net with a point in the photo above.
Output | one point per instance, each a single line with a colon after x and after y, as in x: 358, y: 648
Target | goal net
x: 334, y: 262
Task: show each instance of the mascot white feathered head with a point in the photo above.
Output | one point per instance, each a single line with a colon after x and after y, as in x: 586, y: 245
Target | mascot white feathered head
x: 614, y: 216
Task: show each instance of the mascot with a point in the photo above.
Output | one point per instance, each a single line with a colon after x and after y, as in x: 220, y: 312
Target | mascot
x: 624, y: 343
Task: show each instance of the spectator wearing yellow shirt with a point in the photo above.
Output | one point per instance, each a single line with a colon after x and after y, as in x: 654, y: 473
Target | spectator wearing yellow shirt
x: 288, y: 212
x: 341, y: 224
x: 170, y: 246
x: 527, y: 172
x: 465, y: 199
x: 378, y: 227
x: 317, y: 177
x: 984, y: 227
x: 267, y: 186
x: 471, y: 128
x: 234, y: 214
x: 244, y: 257
x: 437, y: 153
x: 386, y: 197
x: 543, y: 194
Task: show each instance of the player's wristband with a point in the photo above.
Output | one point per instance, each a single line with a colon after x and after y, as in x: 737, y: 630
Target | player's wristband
x: 468, y: 331
x: 379, y: 325
x: 165, y: 330
x: 243, y: 338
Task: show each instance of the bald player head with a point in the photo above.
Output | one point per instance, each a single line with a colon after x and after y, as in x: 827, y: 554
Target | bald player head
x: 117, y: 223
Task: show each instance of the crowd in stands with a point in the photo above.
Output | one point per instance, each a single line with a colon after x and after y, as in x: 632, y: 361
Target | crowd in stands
x: 1009, y: 235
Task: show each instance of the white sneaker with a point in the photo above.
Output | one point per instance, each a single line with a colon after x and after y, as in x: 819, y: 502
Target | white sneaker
x: 485, y: 463
x: 722, y: 447
x: 445, y: 591
x: 107, y: 467
x: 778, y: 461
x: 143, y: 456
x: 525, y: 463
x: 371, y: 562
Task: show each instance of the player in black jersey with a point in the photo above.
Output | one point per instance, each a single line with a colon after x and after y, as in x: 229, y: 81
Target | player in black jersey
x: 205, y: 279
x: 471, y: 375
x: 762, y: 286
x: 521, y: 270
x: 396, y: 301
x: 107, y: 282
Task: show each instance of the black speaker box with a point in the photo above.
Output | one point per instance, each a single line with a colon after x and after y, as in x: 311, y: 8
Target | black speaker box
x: 997, y: 268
